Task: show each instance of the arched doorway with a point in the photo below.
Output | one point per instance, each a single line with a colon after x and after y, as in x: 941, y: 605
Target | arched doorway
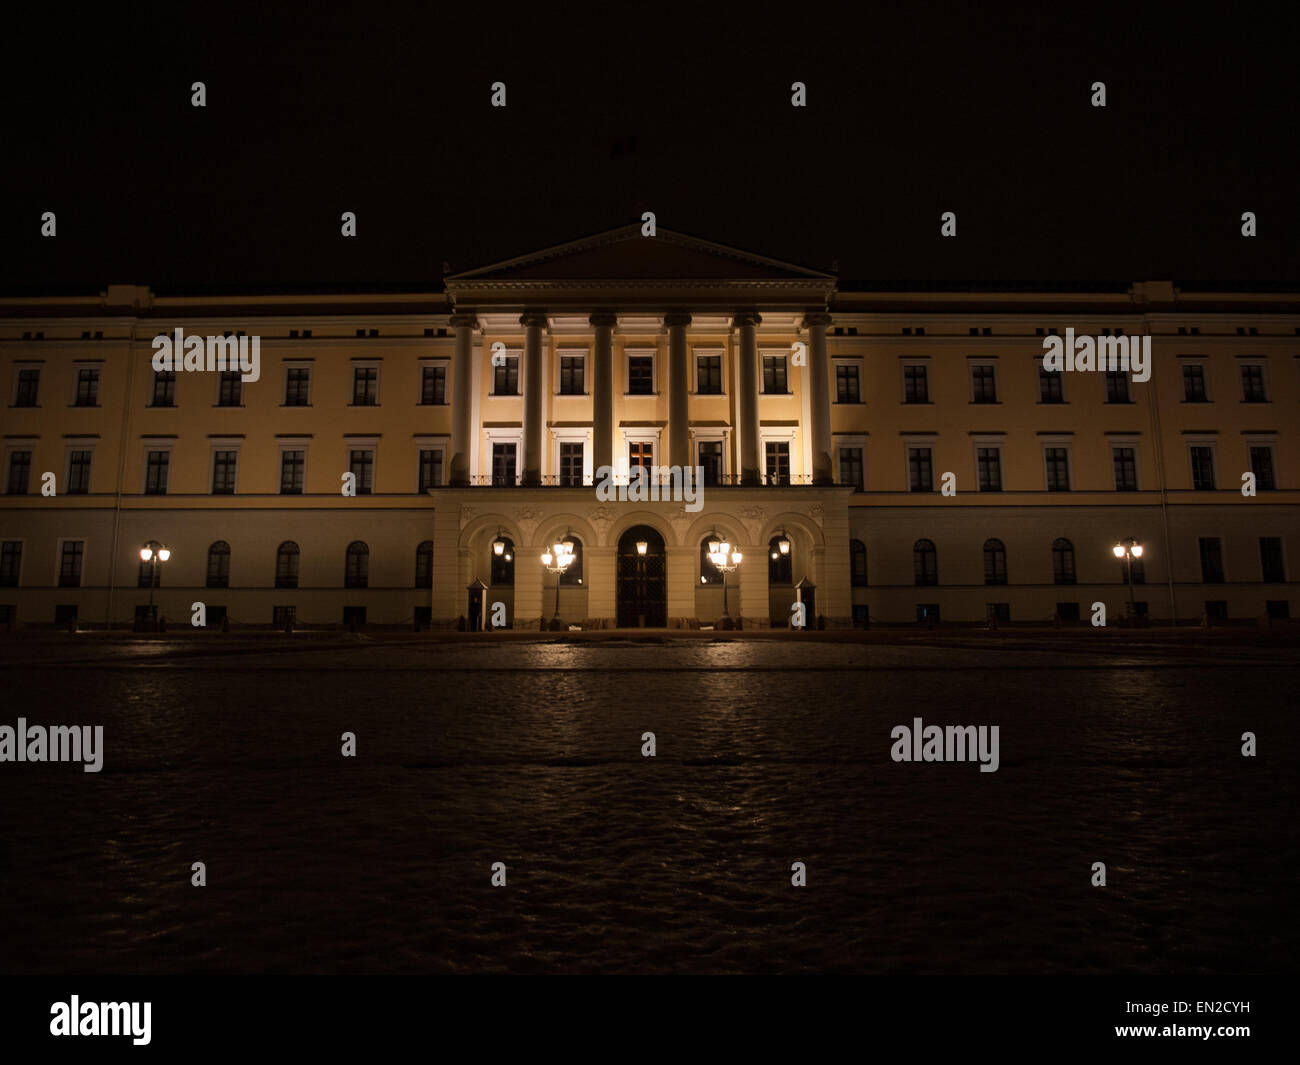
x: 642, y: 579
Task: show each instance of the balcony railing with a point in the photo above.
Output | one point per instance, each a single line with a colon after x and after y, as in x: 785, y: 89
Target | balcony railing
x: 555, y: 480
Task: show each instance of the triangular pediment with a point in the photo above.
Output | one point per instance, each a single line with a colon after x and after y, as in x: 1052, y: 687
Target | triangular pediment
x: 625, y: 255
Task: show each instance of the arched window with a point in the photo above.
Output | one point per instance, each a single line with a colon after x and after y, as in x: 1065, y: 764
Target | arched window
x: 424, y: 565
x: 995, y: 562
x: 780, y: 568
x: 219, y: 565
x: 709, y: 573
x: 573, y: 574
x: 286, y: 565
x: 858, y: 563
x: 925, y: 562
x: 1063, y: 561
x: 357, y: 574
x: 503, y: 565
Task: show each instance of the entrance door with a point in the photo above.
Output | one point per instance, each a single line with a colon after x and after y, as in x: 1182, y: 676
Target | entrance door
x: 642, y: 580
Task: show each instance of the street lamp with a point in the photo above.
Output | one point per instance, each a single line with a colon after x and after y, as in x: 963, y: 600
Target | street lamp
x: 1128, y: 549
x: 725, y: 560
x: 153, y: 552
x: 556, y: 561
x: 499, y: 544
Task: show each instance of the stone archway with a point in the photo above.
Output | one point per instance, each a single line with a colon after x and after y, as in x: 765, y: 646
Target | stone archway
x: 642, y: 583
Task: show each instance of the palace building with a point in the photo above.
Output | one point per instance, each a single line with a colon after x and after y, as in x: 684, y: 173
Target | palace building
x: 878, y: 453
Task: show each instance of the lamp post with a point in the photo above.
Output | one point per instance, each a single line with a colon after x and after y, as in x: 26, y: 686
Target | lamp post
x: 1128, y: 549
x: 557, y: 560
x: 725, y: 560
x: 153, y: 552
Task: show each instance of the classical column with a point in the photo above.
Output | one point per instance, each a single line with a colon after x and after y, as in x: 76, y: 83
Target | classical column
x: 602, y: 394
x: 679, y: 436
x: 533, y: 323
x: 462, y: 372
x: 818, y: 381
x: 747, y: 402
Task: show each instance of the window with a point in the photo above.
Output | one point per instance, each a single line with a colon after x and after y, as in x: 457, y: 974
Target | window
x: 916, y: 383
x: 1211, y: 560
x: 223, y: 472
x: 503, y: 566
x: 282, y: 615
x: 925, y: 563
x: 503, y: 464
x: 70, y: 563
x: 424, y: 565
x: 433, y: 385
x: 29, y: 381
x: 361, y: 462
x: 357, y: 567
x: 780, y: 567
x: 572, y: 575
x: 995, y: 562
x: 164, y: 388
x: 87, y: 388
x: 774, y: 380
x: 1270, y: 559
x: 858, y: 563
x: 155, y: 474
x: 997, y: 611
x: 1124, y: 460
x: 927, y: 612
x: 11, y: 563
x: 1067, y: 611
x: 293, y: 463
x: 708, y: 375
x: 711, y: 462
x: 709, y: 573
x: 219, y: 565
x: 505, y: 376
x: 988, y: 467
x: 572, y: 380
x: 848, y: 389
x: 1050, y: 388
x: 920, y: 469
x: 297, y: 386
x: 851, y: 467
x: 571, y: 462
x: 640, y: 375
x: 1057, y: 460
x: 1132, y: 569
x: 20, y: 472
x: 984, y: 385
x: 1261, y: 464
x: 1252, y: 383
x: 640, y: 454
x: 430, y: 473
x: 1202, y: 467
x: 365, y: 386
x: 230, y: 389
x: 1063, y: 562
x: 1194, y: 383
x: 286, y: 565
x: 1117, y: 387
x: 78, y: 473
x: 778, y: 461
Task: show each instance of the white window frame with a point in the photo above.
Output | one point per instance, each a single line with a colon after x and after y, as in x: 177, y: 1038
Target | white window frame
x: 582, y: 353
x: 712, y: 434
x: 29, y: 364
x: 709, y: 351
x: 637, y: 434
x: 860, y: 363
x: 291, y: 443
x: 988, y: 440
x: 781, y: 353
x: 1262, y: 362
x: 517, y: 353
x: 168, y: 445
x: 1066, y: 442
x: 86, y: 364
x: 922, y: 440
x: 296, y: 364
x: 644, y: 351
x: 914, y: 360
x: 840, y: 442
x: 58, y: 562
x: 432, y: 443
x: 784, y: 434
x: 1212, y: 443
x: 506, y: 435
x: 77, y: 443
x: 1202, y: 361
x: 573, y: 434
x: 365, y: 364
x: 216, y: 444
x: 360, y: 443
x: 1134, y: 442
x: 983, y: 360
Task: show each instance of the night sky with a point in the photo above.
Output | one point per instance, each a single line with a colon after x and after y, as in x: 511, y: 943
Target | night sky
x: 618, y: 108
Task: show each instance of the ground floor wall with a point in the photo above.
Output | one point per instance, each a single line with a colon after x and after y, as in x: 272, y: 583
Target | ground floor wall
x: 459, y: 526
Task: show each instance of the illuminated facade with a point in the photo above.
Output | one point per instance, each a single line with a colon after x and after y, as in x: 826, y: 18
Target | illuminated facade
x: 824, y: 415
